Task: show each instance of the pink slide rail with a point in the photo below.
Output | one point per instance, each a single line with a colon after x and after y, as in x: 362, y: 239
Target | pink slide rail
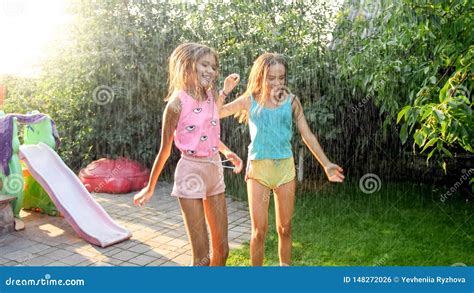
x: 90, y: 221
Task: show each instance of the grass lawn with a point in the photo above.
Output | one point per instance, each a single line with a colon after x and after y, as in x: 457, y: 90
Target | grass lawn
x: 402, y: 224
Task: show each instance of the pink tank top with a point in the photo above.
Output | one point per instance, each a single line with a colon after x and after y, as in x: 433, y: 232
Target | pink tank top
x: 198, y: 131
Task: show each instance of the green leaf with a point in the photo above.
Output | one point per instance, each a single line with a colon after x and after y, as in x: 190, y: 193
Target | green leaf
x: 468, y: 148
x: 430, y: 155
x: 440, y: 115
x: 402, y: 113
x: 444, y: 127
x: 419, y: 137
x: 425, y: 112
x: 443, y: 92
x: 403, y: 133
x: 430, y: 143
x: 447, y: 153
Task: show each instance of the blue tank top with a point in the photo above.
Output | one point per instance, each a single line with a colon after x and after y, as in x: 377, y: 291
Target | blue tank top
x: 270, y: 131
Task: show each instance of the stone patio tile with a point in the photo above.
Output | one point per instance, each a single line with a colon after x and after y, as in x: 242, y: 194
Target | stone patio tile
x: 183, y: 259
x: 128, y: 264
x: 113, y: 261
x: 162, y: 239
x: 39, y: 261
x: 74, y: 259
x: 18, y: 256
x: 58, y: 264
x: 125, y: 255
x: 140, y: 248
x: 178, y: 242
x: 37, y: 248
x: 112, y: 252
x: 142, y: 260
x: 170, y: 264
x: 59, y: 254
x: 158, y: 262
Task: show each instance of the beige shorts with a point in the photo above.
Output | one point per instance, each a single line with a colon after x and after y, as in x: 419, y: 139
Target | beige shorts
x: 197, y: 178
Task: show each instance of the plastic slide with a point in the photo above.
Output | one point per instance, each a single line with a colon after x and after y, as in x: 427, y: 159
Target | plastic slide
x: 84, y: 214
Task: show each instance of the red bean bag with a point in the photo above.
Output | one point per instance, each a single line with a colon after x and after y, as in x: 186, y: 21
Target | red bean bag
x: 114, y: 176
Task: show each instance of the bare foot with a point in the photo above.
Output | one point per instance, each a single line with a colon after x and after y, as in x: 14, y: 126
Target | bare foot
x: 19, y: 224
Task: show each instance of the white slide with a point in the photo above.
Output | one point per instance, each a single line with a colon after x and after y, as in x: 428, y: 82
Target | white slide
x: 84, y: 214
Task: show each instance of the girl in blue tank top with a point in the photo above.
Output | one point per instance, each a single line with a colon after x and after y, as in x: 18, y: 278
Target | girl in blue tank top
x: 270, y: 111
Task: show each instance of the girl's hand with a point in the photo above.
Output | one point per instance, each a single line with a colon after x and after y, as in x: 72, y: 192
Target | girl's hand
x: 334, y: 173
x: 236, y: 161
x: 141, y: 198
x: 231, y: 82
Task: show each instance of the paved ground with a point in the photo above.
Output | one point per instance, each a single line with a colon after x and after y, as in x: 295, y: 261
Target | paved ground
x: 159, y: 237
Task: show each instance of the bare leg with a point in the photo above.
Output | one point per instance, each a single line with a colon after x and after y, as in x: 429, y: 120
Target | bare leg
x: 284, y: 208
x: 215, y: 208
x: 193, y: 214
x: 259, y: 198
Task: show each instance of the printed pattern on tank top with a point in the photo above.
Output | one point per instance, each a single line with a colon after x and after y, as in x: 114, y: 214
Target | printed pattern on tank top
x: 198, y: 130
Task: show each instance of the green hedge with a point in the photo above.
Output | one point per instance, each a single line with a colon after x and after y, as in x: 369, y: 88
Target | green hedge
x: 105, y: 86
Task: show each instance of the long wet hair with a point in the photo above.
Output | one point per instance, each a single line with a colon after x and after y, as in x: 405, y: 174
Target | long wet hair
x: 182, y: 73
x: 256, y: 85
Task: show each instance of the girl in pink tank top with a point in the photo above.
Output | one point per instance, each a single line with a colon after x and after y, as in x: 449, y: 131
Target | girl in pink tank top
x: 198, y: 130
x: 191, y: 119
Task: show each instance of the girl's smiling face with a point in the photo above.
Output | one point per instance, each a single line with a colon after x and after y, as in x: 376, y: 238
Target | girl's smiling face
x: 206, y: 70
x: 276, y: 76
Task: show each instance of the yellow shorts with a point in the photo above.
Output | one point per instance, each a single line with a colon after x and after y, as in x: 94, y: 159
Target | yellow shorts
x: 271, y: 173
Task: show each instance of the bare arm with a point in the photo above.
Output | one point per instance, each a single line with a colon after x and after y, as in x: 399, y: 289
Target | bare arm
x: 241, y: 104
x: 233, y: 157
x: 223, y: 149
x: 220, y: 99
x: 170, y: 121
x: 230, y: 83
x: 333, y: 171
